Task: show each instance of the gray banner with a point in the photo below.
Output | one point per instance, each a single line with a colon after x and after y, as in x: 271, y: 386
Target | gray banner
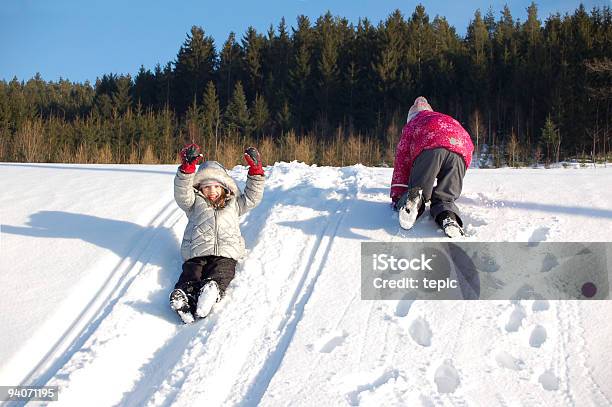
x: 29, y: 393
x: 485, y: 271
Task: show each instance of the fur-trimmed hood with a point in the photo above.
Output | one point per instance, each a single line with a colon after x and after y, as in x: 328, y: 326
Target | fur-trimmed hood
x: 213, y: 172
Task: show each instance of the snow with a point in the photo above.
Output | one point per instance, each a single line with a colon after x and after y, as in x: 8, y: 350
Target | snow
x: 89, y: 254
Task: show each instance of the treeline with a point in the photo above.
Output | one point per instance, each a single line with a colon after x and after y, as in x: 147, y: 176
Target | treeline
x: 336, y: 93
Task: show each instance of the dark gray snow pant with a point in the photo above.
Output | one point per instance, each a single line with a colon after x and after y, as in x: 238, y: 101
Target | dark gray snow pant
x: 449, y: 169
x: 199, y: 270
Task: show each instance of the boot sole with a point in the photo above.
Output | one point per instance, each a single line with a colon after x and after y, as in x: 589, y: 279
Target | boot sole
x: 179, y: 303
x: 409, y: 214
x: 407, y: 219
x: 205, y: 305
x: 454, y: 232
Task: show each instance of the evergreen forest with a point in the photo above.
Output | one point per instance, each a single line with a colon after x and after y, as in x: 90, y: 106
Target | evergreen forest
x: 334, y: 92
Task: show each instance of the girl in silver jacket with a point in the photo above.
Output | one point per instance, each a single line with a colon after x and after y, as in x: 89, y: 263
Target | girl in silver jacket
x: 212, y: 242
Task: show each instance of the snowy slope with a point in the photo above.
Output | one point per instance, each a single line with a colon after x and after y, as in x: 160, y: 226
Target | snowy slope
x: 90, y: 253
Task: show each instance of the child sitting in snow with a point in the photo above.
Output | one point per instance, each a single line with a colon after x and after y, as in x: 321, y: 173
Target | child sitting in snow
x: 212, y: 242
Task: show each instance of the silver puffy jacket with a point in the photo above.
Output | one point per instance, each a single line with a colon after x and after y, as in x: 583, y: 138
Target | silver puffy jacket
x: 213, y: 231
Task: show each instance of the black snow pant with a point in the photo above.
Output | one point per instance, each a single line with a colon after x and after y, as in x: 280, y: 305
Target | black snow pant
x: 198, y: 271
x: 449, y: 169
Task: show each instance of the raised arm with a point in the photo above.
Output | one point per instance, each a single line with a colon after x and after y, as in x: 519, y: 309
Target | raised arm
x: 401, y: 166
x: 253, y: 191
x: 184, y: 195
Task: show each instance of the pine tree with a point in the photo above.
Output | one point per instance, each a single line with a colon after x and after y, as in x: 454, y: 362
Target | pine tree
x: 367, y: 102
x: 327, y: 65
x: 5, y: 120
x: 121, y: 98
x: 420, y: 45
x: 237, y: 116
x: 489, y: 20
x: 194, y: 67
x: 211, y: 115
x: 284, y: 118
x: 532, y: 73
x: 532, y: 30
x: 389, y: 65
x: 253, y: 44
x: 442, y: 76
x: 580, y: 45
x: 504, y: 76
x: 276, y: 64
x: 477, y: 38
x: 300, y: 74
x: 260, y: 115
x: 550, y: 137
x: 230, y: 67
x: 105, y: 88
x: 144, y: 87
x: 193, y: 119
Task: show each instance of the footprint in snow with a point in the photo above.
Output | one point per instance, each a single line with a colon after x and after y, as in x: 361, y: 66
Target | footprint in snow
x: 549, y: 381
x: 539, y: 235
x: 516, y: 318
x: 549, y: 262
x: 473, y: 221
x: 403, y: 306
x: 446, y: 377
x: 540, y: 305
x: 420, y: 332
x: 506, y: 360
x: 538, y: 336
x: 328, y: 343
x: 373, y: 386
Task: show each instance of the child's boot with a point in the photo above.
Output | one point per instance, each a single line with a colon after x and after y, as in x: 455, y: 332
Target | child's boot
x: 449, y: 223
x: 209, y: 295
x: 410, y: 207
x: 179, y: 302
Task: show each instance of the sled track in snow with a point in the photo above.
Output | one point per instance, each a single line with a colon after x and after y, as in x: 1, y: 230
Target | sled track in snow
x: 581, y: 354
x: 298, y: 301
x: 101, y: 304
x: 570, y: 324
x: 564, y: 361
x: 318, y: 258
x: 160, y: 366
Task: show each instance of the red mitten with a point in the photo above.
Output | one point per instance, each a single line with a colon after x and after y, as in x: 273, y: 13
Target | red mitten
x: 190, y: 155
x: 253, y: 159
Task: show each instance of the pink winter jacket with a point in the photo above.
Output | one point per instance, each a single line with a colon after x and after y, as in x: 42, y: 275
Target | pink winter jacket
x: 426, y: 131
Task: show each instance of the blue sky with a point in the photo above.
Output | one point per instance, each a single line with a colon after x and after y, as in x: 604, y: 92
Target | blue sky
x: 78, y: 41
